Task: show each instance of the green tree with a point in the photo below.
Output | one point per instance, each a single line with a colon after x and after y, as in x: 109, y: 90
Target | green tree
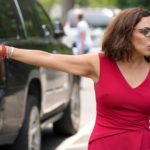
x: 114, y: 3
x: 96, y: 3
x: 48, y: 3
x: 103, y: 3
x: 133, y: 3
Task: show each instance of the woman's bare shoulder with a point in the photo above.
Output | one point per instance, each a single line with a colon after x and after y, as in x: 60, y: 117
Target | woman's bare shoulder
x: 94, y: 60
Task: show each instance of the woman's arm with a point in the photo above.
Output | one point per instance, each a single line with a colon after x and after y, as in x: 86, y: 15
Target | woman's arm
x: 84, y: 65
x: 82, y: 39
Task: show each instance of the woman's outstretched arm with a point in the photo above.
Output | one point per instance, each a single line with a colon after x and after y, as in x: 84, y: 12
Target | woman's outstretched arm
x: 84, y: 65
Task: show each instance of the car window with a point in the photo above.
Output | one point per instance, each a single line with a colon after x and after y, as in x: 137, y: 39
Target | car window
x: 70, y: 19
x: 94, y: 17
x: 10, y: 25
x: 27, y: 12
x: 43, y: 20
x: 98, y: 18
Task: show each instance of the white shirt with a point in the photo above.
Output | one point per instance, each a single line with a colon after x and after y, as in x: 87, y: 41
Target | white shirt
x: 83, y: 26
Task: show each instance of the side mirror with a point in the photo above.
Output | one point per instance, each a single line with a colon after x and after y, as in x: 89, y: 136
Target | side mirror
x: 58, y: 29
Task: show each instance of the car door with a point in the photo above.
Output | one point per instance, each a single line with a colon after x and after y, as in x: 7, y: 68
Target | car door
x: 13, y: 74
x: 54, y: 83
x: 60, y: 82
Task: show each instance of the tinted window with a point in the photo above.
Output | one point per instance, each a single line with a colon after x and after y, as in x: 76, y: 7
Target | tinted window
x: 43, y: 20
x: 9, y: 21
x: 71, y: 19
x: 27, y: 12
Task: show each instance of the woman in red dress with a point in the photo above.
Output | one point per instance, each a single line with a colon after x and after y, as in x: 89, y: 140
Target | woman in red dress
x: 121, y: 76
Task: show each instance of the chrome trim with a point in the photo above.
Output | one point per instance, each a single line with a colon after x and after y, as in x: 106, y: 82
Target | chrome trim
x: 21, y: 17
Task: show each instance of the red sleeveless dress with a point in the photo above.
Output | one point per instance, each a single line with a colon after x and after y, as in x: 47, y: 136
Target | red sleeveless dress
x: 123, y: 112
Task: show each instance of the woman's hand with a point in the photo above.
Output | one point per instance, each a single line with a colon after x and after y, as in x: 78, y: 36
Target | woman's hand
x: 6, y: 51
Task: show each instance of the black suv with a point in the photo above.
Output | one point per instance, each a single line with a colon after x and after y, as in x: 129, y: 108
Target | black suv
x: 30, y: 96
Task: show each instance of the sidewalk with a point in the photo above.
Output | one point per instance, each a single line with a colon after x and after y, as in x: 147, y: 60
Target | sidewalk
x: 78, y: 141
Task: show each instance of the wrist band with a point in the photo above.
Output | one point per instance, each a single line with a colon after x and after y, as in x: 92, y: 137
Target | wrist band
x: 3, y: 51
x: 9, y: 52
x: 6, y: 51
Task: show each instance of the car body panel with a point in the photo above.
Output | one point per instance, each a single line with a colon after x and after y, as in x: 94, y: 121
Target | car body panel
x: 16, y: 77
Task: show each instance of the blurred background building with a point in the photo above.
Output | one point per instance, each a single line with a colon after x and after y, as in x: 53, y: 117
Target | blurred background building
x: 59, y: 8
x: 97, y: 13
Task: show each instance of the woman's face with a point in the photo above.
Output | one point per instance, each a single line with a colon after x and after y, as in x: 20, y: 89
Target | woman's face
x: 141, y: 37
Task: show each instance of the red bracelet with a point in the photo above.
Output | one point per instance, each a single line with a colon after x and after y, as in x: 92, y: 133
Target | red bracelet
x: 3, y: 51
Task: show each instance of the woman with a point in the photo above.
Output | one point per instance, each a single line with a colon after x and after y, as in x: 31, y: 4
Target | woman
x: 121, y: 77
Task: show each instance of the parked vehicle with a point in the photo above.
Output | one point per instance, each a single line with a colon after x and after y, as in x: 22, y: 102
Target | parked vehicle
x: 97, y: 18
x: 32, y: 96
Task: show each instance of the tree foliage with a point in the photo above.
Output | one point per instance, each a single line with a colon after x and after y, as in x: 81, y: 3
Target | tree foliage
x: 133, y: 3
x: 101, y: 3
x: 47, y: 3
x: 115, y: 3
x: 96, y: 3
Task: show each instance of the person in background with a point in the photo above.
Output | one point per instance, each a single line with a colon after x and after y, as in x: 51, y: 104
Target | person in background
x: 121, y: 76
x: 83, y: 41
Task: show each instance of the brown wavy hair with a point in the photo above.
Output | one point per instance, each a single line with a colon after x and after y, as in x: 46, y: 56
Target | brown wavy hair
x: 117, y: 38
